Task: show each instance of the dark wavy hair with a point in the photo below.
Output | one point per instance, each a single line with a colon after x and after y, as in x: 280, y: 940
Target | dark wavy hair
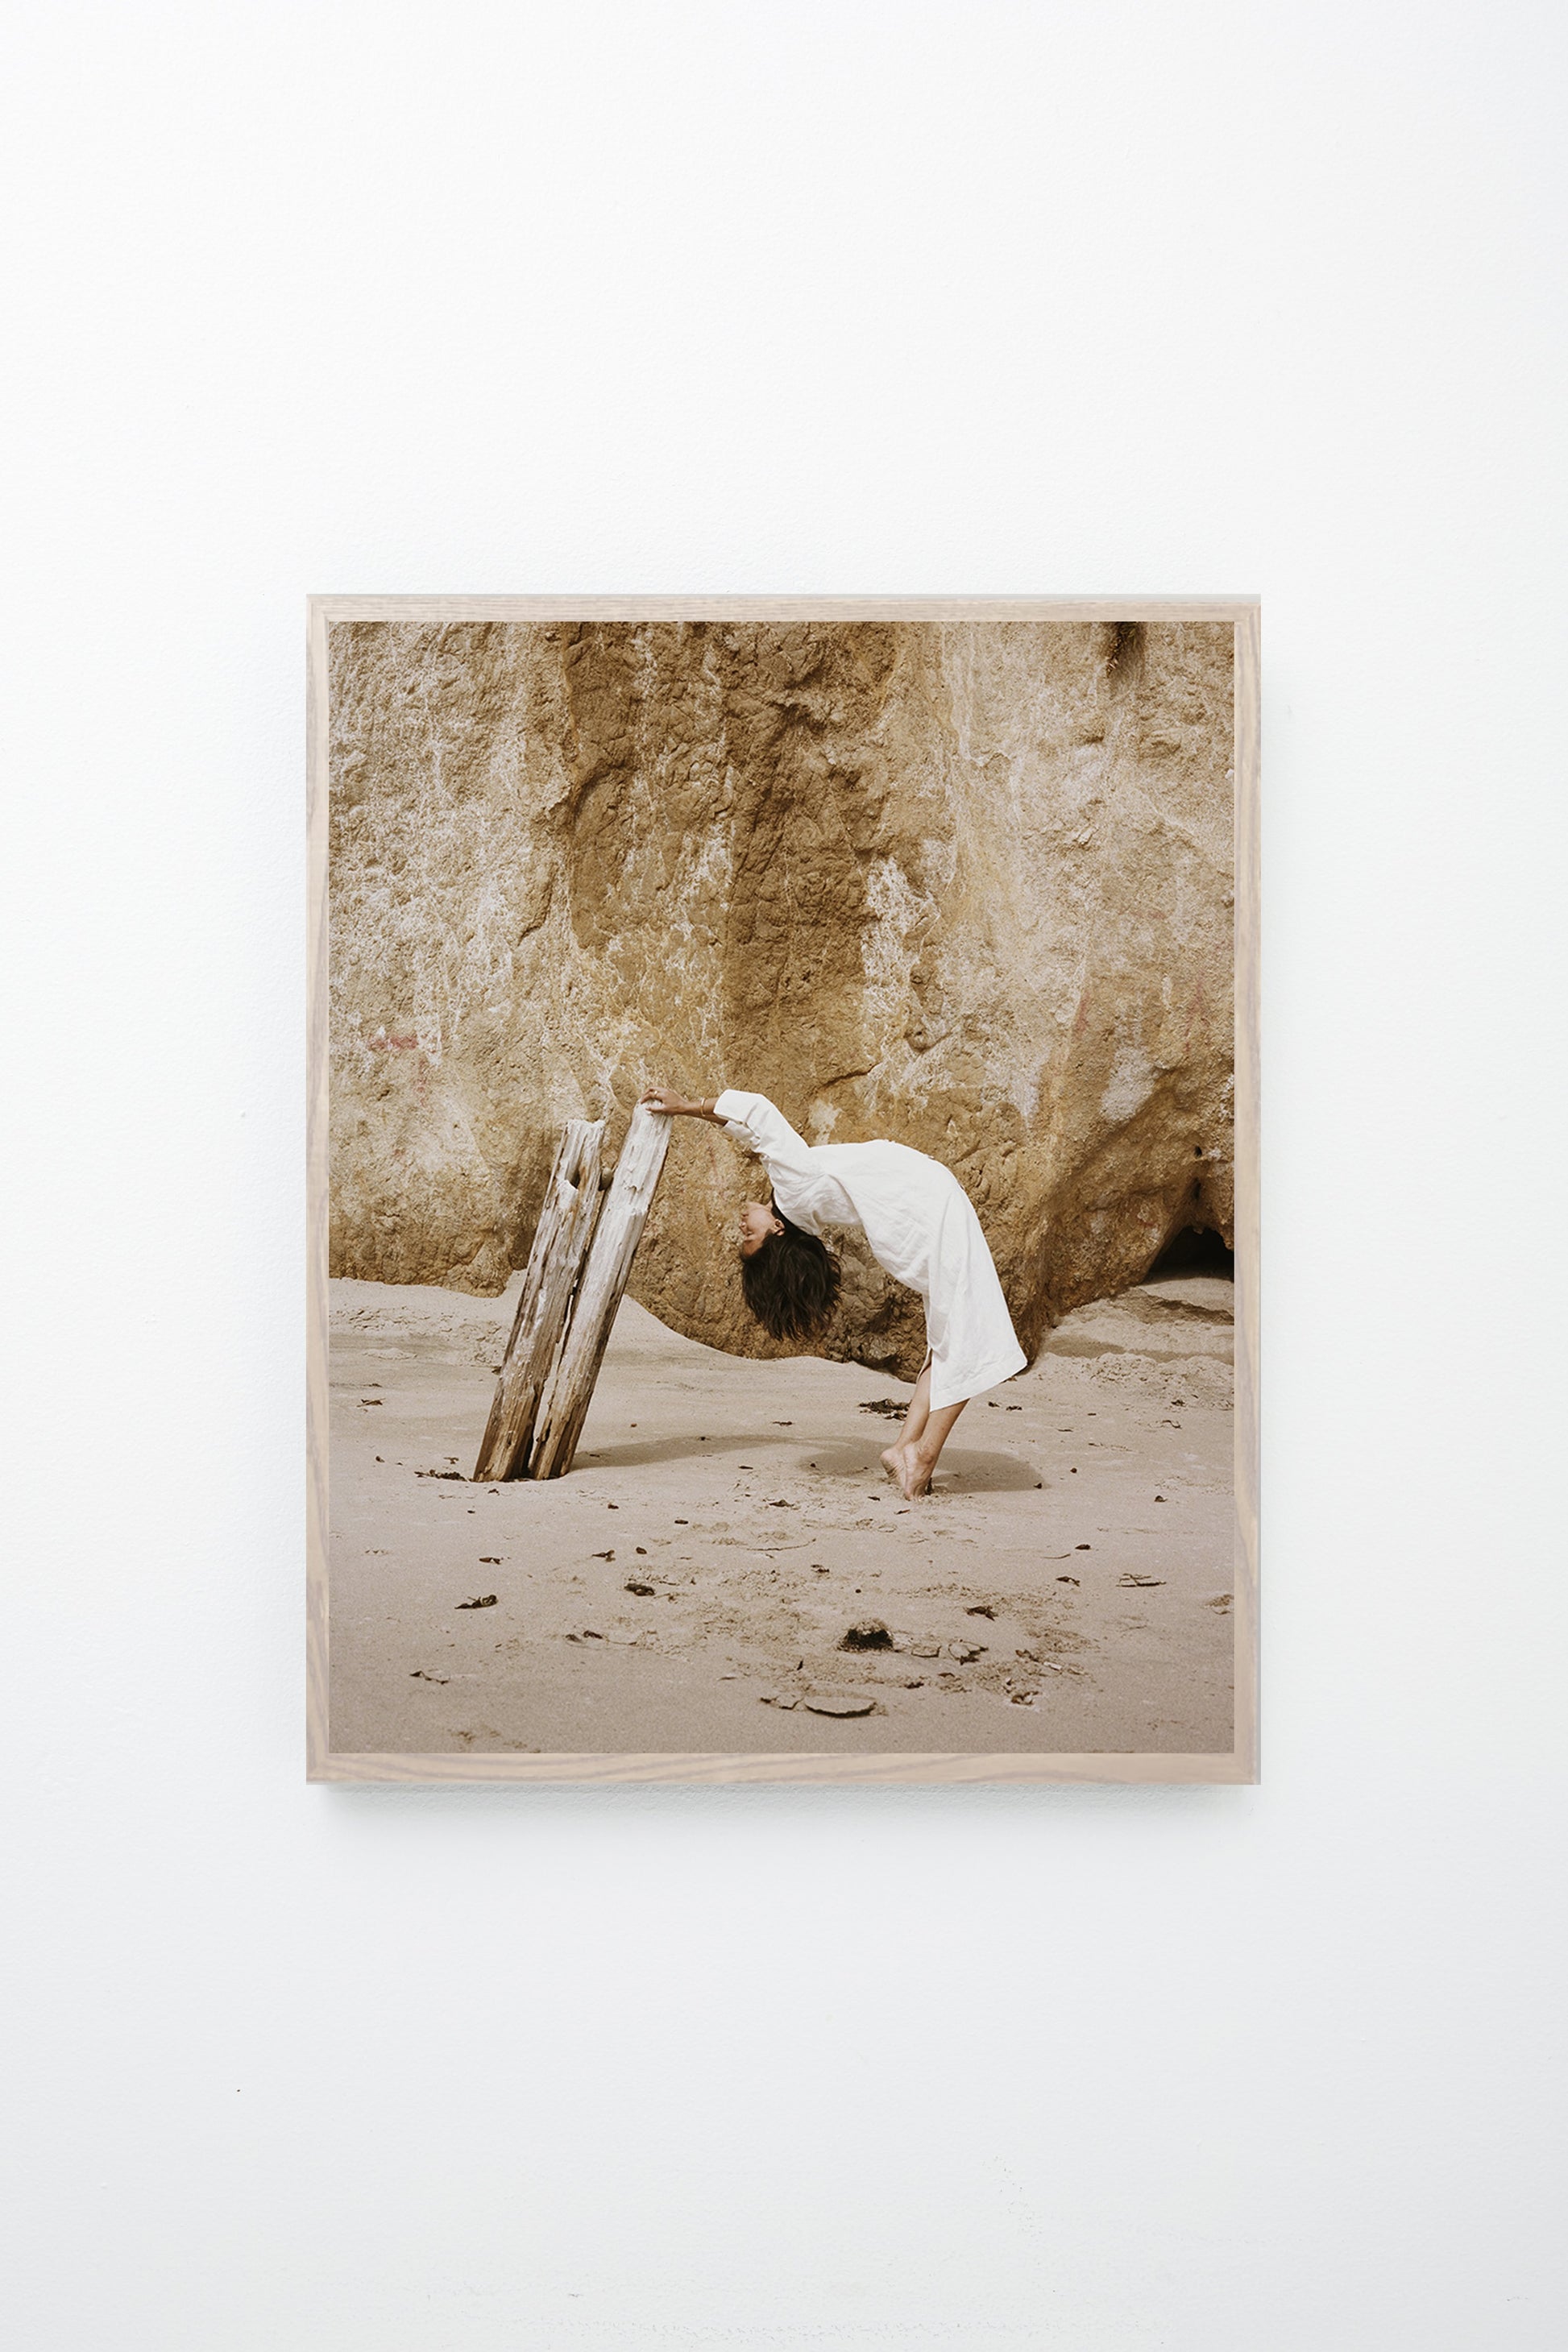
x: 791, y: 1283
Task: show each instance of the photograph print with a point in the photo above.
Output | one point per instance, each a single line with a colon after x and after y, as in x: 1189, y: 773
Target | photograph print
x: 783, y: 1188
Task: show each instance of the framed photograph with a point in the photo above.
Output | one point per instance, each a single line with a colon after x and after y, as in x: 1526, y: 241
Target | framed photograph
x: 783, y: 1188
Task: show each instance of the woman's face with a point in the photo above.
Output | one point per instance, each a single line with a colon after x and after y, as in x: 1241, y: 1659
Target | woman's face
x: 757, y: 1222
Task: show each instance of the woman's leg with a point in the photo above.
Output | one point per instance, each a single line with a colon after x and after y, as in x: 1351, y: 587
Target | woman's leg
x: 916, y: 1461
x: 914, y: 1420
x: 915, y: 1450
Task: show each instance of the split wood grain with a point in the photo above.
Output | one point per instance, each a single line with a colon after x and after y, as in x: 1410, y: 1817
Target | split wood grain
x: 599, y: 1293
x: 561, y: 1243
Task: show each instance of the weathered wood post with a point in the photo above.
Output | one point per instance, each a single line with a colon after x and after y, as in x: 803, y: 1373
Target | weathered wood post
x: 561, y: 1242
x: 565, y: 1406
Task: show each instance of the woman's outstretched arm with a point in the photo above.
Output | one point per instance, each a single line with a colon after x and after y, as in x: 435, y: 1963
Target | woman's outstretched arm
x: 751, y: 1118
x: 665, y: 1098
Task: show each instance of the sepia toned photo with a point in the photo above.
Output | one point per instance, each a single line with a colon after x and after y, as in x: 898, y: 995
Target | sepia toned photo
x: 783, y: 1188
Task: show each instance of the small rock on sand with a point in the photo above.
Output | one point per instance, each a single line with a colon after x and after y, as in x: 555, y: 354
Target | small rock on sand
x: 839, y: 1703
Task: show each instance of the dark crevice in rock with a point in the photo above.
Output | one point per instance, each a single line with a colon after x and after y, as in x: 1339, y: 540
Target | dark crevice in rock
x: 1125, y: 660
x: 1195, y: 1250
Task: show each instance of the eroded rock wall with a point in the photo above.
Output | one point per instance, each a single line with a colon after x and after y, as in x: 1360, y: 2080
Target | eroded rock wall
x: 965, y: 885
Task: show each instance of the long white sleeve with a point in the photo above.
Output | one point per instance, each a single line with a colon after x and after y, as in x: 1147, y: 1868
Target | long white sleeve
x: 803, y: 1189
x: 753, y: 1119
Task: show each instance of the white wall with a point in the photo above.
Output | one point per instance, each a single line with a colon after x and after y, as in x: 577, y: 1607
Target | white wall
x: 816, y: 295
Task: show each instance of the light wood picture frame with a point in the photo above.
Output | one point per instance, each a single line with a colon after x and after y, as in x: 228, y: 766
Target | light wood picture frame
x: 339, y: 1748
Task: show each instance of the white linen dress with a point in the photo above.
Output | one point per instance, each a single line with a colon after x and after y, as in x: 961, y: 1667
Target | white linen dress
x: 919, y: 1224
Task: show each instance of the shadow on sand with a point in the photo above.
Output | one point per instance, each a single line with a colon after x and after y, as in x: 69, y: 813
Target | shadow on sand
x: 961, y: 1471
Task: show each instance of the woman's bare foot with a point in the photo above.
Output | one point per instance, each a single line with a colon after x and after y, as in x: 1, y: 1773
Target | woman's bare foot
x: 913, y: 1470
x: 891, y: 1460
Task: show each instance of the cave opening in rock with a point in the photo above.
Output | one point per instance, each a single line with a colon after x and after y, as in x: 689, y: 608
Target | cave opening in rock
x: 1194, y: 1250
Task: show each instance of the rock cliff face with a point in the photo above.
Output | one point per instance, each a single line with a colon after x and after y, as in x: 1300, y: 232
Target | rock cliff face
x: 964, y: 884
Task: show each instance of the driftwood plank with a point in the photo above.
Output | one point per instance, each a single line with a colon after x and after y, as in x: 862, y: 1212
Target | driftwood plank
x: 561, y: 1242
x: 565, y: 1408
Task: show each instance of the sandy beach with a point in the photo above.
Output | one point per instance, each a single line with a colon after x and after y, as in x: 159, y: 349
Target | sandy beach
x: 728, y: 1526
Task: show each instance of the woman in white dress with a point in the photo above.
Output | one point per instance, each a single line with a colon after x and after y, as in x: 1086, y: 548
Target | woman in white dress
x: 919, y: 1225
